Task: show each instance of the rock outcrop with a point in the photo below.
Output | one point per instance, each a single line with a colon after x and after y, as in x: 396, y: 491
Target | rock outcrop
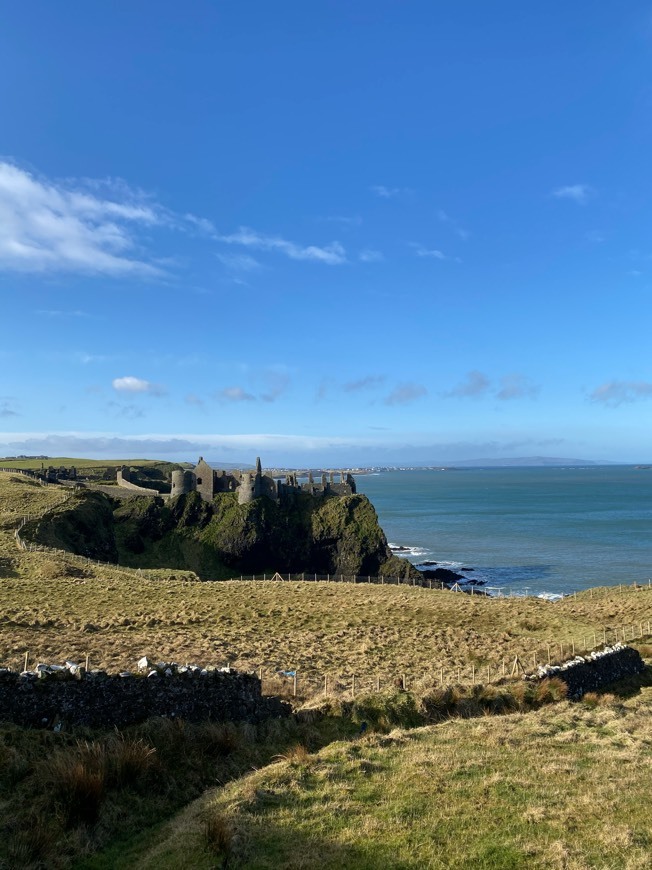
x: 222, y: 538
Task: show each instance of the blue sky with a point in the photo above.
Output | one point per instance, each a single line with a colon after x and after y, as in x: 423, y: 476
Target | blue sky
x: 328, y: 233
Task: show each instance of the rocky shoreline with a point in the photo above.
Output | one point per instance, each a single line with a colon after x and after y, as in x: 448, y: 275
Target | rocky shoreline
x: 445, y: 577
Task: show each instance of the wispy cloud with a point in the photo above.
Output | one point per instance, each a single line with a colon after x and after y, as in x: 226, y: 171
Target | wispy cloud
x: 234, y: 394
x: 595, y: 237
x: 193, y: 400
x: 54, y: 313
x: 239, y: 262
x: 405, y: 393
x: 516, y: 386
x: 474, y: 385
x: 579, y: 193
x: 389, y: 192
x: 345, y: 221
x: 368, y: 255
x: 49, y: 226
x: 131, y: 411
x: 615, y: 393
x: 422, y: 251
x: 332, y: 254
x: 369, y: 382
x: 8, y: 406
x: 276, y: 380
x: 453, y: 224
x: 130, y: 384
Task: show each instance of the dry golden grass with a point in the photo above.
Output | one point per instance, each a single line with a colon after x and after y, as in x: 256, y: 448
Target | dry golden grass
x: 55, y: 607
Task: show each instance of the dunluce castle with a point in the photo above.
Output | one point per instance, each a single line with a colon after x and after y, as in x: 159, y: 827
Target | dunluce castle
x: 249, y: 485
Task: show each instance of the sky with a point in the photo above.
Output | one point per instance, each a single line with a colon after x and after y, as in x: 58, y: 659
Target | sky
x: 334, y: 233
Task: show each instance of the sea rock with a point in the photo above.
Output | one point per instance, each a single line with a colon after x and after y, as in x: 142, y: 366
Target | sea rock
x: 445, y: 575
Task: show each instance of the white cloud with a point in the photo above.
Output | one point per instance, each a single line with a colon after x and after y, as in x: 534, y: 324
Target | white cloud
x: 422, y: 251
x: 579, y: 193
x: 130, y: 384
x: 368, y: 255
x: 48, y: 226
x: 614, y: 393
x: 332, y: 254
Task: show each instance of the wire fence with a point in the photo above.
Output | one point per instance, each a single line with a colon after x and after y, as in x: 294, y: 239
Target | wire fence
x: 349, y: 682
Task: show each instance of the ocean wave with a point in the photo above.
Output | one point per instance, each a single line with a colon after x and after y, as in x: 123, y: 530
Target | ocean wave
x: 407, y: 552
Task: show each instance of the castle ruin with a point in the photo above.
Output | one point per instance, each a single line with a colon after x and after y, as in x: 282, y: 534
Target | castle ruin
x: 250, y: 485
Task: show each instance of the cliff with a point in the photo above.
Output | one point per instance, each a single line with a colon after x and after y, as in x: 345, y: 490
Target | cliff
x: 221, y: 539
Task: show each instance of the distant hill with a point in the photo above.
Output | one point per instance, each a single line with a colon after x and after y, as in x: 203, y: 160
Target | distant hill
x: 527, y: 461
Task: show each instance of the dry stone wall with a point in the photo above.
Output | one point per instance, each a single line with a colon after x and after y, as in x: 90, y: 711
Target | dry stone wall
x: 61, y: 697
x: 594, y: 671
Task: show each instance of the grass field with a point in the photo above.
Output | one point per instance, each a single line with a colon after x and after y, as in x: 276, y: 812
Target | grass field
x: 565, y: 786
x: 54, y: 608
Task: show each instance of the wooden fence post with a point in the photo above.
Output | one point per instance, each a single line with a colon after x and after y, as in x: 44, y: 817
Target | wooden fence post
x: 441, y: 676
x: 378, y: 684
x: 294, y: 685
x: 26, y: 660
x: 353, y: 686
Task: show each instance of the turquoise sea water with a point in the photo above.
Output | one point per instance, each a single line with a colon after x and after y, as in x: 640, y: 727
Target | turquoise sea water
x: 527, y: 530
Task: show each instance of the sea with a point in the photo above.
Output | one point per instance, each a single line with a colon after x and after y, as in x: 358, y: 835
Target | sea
x: 521, y: 531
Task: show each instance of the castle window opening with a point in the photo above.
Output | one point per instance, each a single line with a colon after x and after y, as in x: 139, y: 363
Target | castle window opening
x: 199, y: 480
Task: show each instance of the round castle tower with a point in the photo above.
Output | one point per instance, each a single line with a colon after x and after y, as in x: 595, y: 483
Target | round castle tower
x: 182, y: 482
x: 250, y: 484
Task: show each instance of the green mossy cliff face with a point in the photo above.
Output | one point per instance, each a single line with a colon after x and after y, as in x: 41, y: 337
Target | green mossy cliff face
x: 330, y: 535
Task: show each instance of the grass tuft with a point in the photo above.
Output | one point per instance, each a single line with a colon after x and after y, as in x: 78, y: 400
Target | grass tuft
x: 218, y: 834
